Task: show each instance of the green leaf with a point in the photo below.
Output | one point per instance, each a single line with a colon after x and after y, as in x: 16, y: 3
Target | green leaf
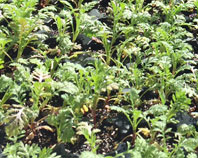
x: 190, y: 144
x: 64, y: 125
x: 158, y: 109
x: 47, y: 152
x: 192, y: 155
x: 144, y: 149
x: 20, y: 150
x: 162, y: 96
x: 118, y: 109
x: 5, y: 83
x: 134, y: 96
x: 67, y: 4
x: 67, y: 87
x: 16, y: 118
x: 88, y: 6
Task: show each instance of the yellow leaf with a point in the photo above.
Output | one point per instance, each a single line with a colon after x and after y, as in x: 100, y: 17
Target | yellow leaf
x: 45, y: 127
x: 85, y: 108
x: 144, y: 131
x: 82, y: 110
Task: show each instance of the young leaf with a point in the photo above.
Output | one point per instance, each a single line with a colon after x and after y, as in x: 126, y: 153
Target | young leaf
x: 17, y: 117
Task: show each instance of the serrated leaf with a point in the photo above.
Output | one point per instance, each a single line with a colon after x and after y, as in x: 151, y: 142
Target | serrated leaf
x: 64, y: 125
x: 158, y: 109
x: 190, y: 144
x: 191, y: 155
x: 16, y: 119
x: 118, y: 109
x: 5, y: 83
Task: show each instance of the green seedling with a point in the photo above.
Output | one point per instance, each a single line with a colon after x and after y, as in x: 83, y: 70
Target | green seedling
x: 63, y: 120
x: 108, y: 35
x: 22, y: 23
x: 98, y: 81
x: 65, y: 44
x: 90, y: 134
x: 3, y: 42
x: 20, y: 149
x: 137, y: 115
x: 79, y: 22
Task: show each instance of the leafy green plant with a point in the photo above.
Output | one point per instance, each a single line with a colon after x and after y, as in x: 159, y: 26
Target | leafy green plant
x: 81, y: 19
x: 163, y: 116
x: 3, y: 42
x: 5, y: 83
x: 64, y: 120
x: 139, y: 5
x: 90, y: 134
x: 20, y: 150
x: 16, y: 118
x: 173, y: 10
x: 147, y: 71
x: 96, y: 80
x: 109, y: 35
x: 65, y: 44
x: 22, y: 23
x: 90, y: 82
x: 187, y: 144
x: 180, y: 103
x: 137, y: 115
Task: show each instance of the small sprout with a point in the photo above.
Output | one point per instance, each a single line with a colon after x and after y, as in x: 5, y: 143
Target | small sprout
x: 113, y: 86
x: 103, y: 90
x: 109, y: 88
x: 84, y: 127
x: 90, y: 134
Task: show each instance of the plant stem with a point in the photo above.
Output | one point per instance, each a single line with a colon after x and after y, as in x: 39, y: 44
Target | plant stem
x: 95, y: 102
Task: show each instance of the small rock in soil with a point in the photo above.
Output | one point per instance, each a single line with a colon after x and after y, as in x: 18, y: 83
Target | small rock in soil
x: 185, y: 118
x: 96, y: 14
x: 123, y: 124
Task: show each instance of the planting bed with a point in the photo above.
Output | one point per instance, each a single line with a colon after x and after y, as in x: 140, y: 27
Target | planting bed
x: 98, y: 78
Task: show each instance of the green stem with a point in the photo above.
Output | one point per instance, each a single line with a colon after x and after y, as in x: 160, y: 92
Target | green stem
x: 77, y: 29
x: 95, y: 102
x: 164, y: 142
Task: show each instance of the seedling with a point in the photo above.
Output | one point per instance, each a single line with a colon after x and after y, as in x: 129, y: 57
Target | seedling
x: 136, y: 114
x: 90, y: 134
x: 23, y: 23
x: 109, y: 36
